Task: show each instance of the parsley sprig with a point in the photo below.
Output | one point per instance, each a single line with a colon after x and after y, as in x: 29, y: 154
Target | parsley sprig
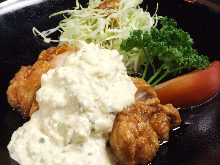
x: 168, y: 44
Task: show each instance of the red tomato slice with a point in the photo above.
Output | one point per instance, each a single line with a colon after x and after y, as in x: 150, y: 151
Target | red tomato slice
x: 191, y: 89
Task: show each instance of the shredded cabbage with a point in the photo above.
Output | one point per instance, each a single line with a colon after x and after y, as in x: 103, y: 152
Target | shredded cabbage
x: 106, y: 27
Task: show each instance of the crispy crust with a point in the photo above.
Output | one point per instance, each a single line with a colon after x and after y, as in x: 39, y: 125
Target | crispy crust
x: 53, y: 52
x: 24, y: 85
x: 22, y: 89
x: 138, y: 129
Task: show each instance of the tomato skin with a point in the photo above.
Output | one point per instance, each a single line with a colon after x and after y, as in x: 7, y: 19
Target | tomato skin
x: 191, y: 89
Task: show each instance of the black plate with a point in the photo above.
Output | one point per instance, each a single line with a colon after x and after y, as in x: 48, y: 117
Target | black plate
x: 197, y: 142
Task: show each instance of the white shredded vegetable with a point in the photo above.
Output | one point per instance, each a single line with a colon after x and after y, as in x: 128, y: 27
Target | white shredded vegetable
x: 106, y: 27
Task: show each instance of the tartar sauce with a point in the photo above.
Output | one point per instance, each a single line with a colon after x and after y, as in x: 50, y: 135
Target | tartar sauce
x: 77, y: 106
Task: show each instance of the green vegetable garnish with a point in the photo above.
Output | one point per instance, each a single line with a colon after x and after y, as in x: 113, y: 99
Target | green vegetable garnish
x: 106, y: 27
x: 170, y: 45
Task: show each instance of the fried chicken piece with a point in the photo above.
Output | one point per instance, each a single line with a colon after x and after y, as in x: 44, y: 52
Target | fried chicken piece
x: 138, y: 129
x: 133, y: 139
x: 24, y: 85
x: 22, y: 89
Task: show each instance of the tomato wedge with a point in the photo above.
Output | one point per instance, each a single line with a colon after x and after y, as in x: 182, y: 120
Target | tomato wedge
x: 191, y: 89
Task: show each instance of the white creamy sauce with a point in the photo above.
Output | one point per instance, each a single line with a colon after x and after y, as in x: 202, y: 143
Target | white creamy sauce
x: 77, y: 106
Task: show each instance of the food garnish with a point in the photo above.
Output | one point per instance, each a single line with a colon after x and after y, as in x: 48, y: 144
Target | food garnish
x: 191, y: 89
x: 169, y: 45
x: 104, y: 26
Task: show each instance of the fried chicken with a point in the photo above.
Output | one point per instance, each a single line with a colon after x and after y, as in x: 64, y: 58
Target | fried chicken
x: 22, y: 89
x: 138, y: 129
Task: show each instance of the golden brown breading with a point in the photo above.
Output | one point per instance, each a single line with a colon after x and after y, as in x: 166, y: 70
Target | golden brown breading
x: 51, y: 53
x: 34, y: 106
x: 24, y: 85
x: 109, y: 4
x: 138, y: 128
x: 163, y: 121
x: 145, y: 91
x: 133, y: 139
x: 22, y: 89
